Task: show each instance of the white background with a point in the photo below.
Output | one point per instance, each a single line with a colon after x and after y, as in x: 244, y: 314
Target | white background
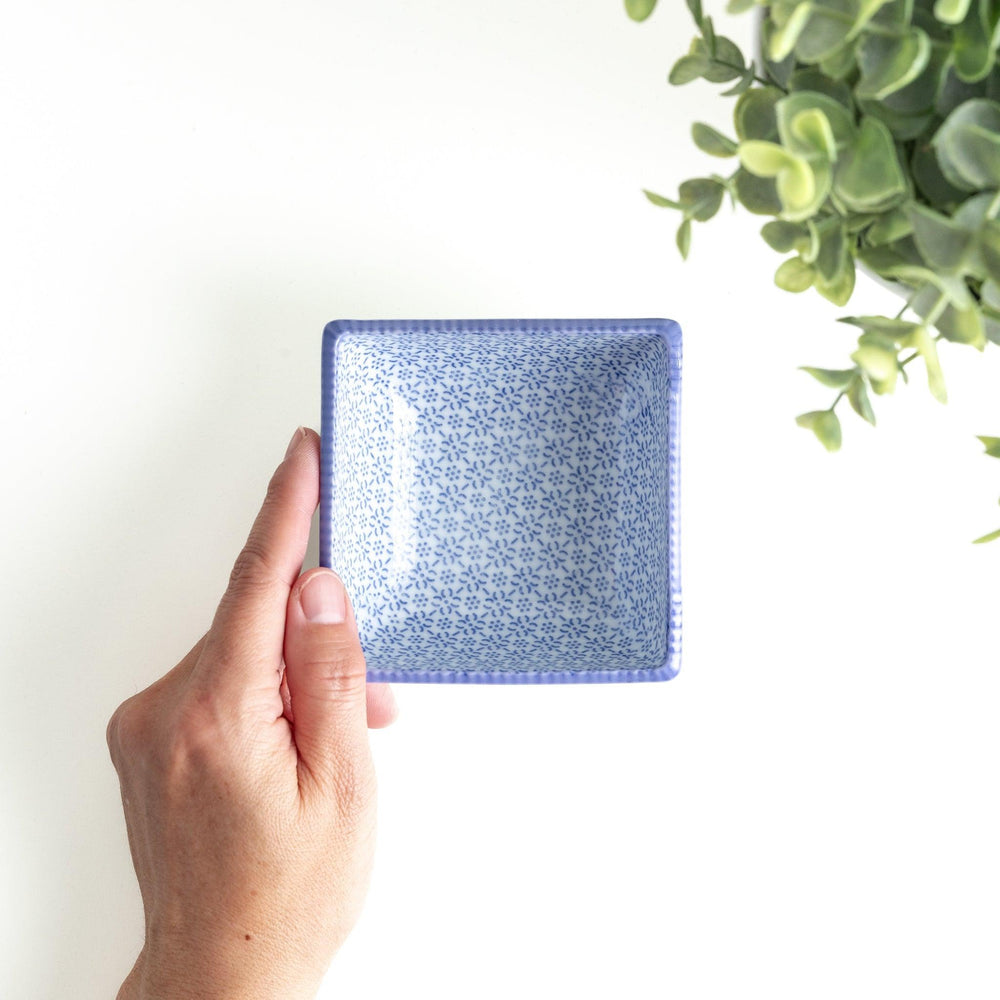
x: 189, y: 192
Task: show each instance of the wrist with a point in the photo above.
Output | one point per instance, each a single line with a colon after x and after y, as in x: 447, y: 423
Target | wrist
x: 186, y: 973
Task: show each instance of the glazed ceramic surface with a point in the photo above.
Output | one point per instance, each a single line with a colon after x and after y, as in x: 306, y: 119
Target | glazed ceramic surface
x: 501, y: 497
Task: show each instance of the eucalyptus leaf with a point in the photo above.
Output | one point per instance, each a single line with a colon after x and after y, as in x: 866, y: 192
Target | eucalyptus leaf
x: 701, y: 197
x: 754, y: 115
x: 689, y: 68
x: 890, y: 63
x: 756, y: 194
x: 825, y: 425
x: 868, y: 176
x: 992, y: 536
x: 879, y: 361
x: 639, y: 10
x: 888, y: 227
x: 683, y: 238
x: 781, y: 236
x: 832, y: 377
x: 924, y: 343
x: 801, y: 186
x: 968, y: 145
x: 660, y: 201
x: 951, y: 11
x: 710, y: 141
x: 839, y: 288
x: 839, y: 122
x: 783, y: 40
x: 794, y: 275
x: 974, y: 51
x: 745, y: 82
x: 825, y: 32
x: 857, y: 396
x: 944, y: 244
x: 989, y: 248
x: 992, y: 445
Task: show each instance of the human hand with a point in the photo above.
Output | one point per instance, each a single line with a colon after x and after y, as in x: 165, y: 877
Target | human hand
x: 247, y: 778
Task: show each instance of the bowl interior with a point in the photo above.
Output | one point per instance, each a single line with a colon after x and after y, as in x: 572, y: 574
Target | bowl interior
x: 500, y: 502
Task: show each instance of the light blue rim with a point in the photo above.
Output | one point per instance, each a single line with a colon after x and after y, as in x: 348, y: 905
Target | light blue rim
x: 671, y: 334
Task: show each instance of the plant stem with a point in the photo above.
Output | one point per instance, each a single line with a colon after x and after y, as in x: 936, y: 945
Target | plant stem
x: 841, y: 395
x: 742, y: 70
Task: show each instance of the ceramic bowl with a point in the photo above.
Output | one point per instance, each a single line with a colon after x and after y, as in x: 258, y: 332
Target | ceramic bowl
x: 500, y: 497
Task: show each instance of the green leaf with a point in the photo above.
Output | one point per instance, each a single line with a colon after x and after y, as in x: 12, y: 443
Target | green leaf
x: 744, y: 83
x: 754, y: 115
x: 889, y: 63
x: 878, y: 357
x: 708, y: 35
x: 811, y: 135
x: 830, y: 257
x: 963, y: 326
x: 781, y: 236
x: 794, y: 275
x: 992, y: 445
x: 889, y: 227
x: 840, y: 287
x: 951, y: 11
x: 811, y: 130
x: 924, y: 343
x: 929, y: 179
x: 833, y: 378
x: 814, y: 79
x: 684, y: 238
x: 784, y: 38
x: 695, y: 7
x: 943, y: 244
x: 857, y: 396
x: 824, y: 424
x: 891, y: 330
x: 795, y: 179
x: 968, y: 145
x: 727, y: 61
x: 740, y: 6
x: 688, y: 68
x: 825, y: 34
x: 756, y: 194
x: 988, y: 538
x: 989, y: 248
x: 701, y: 197
x: 658, y: 199
x: 639, y: 10
x: 973, y: 50
x: 708, y: 140
x: 868, y: 176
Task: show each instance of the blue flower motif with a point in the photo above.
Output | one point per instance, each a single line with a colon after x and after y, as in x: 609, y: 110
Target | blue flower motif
x: 516, y: 481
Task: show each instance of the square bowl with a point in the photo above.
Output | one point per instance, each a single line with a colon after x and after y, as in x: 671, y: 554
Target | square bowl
x: 500, y: 497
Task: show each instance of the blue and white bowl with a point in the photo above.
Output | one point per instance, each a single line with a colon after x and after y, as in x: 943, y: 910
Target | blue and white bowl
x: 500, y: 497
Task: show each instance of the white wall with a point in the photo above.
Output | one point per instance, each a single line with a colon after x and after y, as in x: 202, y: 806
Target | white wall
x: 189, y: 192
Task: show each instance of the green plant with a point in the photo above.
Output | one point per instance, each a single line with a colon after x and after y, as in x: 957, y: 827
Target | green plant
x: 869, y: 133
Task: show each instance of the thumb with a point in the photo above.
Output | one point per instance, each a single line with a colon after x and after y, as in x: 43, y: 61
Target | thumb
x: 325, y: 673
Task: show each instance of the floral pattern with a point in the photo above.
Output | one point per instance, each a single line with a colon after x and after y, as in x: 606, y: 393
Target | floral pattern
x: 500, y: 498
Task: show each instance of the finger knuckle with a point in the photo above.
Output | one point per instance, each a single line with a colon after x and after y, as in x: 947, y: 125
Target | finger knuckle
x: 124, y: 731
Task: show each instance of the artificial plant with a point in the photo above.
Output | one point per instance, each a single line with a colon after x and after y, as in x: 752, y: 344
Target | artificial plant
x: 868, y: 131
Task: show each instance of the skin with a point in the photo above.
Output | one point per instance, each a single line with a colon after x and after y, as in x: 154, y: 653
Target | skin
x: 247, y: 777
